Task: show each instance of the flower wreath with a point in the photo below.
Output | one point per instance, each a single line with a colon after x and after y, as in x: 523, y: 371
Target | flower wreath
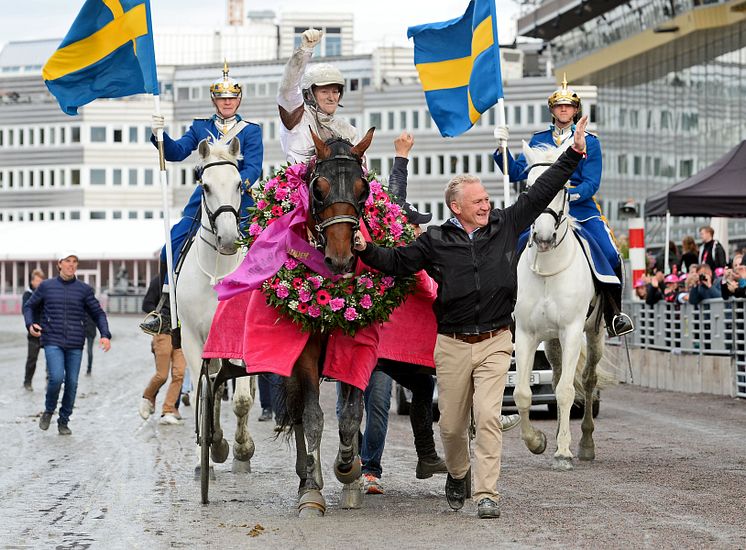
x: 319, y: 303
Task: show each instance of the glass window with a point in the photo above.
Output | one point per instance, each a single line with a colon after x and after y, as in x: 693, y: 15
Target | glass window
x: 52, y: 136
x: 375, y: 165
x: 117, y: 176
x: 428, y: 120
x: 428, y: 165
x: 182, y: 93
x: 75, y: 134
x: 403, y: 120
x: 31, y: 136
x: 51, y: 178
x: 147, y: 132
x: 441, y: 210
x: 333, y: 45
x: 10, y: 137
x: 465, y: 164
x: 98, y: 214
x: 75, y: 215
x: 453, y: 164
x: 415, y: 120
x: 75, y: 177
x: 531, y: 114
x: 637, y: 166
x: 132, y: 176
x: 441, y: 164
x: 133, y: 134
x: 42, y: 136
x: 545, y: 115
x: 491, y: 117
x: 117, y: 214
x: 132, y: 215
x: 685, y: 168
x: 21, y: 133
x: 415, y: 166
x: 390, y: 119
x: 148, y: 215
x: 98, y: 134
x: 478, y: 164
x: 2, y: 133
x: 517, y: 114
x: 117, y: 135
x: 98, y: 176
x: 148, y: 176
x: 375, y: 120
x: 354, y: 85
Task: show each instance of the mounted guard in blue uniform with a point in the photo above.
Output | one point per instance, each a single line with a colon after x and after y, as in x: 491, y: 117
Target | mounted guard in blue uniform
x: 566, y: 109
x: 225, y: 125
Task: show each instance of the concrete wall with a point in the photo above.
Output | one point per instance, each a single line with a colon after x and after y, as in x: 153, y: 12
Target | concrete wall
x: 662, y: 370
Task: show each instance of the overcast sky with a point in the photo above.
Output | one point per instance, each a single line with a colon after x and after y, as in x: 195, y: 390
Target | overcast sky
x: 376, y: 21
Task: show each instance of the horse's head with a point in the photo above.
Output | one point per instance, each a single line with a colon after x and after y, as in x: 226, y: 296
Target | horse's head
x: 220, y: 179
x: 338, y: 190
x: 544, y: 231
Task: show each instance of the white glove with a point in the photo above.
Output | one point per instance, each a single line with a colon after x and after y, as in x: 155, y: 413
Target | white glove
x: 157, y: 122
x: 310, y: 38
x: 502, y: 135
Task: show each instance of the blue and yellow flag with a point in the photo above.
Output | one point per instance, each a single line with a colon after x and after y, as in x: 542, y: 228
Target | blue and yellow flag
x: 108, y: 52
x: 459, y: 66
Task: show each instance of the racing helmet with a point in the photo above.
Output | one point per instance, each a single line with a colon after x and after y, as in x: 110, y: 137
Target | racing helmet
x: 225, y: 86
x: 321, y: 74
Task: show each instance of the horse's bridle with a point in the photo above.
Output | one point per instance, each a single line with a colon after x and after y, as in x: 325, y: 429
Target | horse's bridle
x: 337, y: 194
x: 213, y: 215
x: 559, y: 217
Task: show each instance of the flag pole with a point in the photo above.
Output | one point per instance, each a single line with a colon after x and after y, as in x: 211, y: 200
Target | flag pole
x: 504, y: 153
x: 175, y: 336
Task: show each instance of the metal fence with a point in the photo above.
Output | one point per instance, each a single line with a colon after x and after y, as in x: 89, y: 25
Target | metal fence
x: 713, y: 327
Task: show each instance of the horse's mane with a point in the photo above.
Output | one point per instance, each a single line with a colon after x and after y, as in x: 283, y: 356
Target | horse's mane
x: 547, y: 153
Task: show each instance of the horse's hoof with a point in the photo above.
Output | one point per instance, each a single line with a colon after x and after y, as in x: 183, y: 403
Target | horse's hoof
x: 219, y: 451
x: 562, y: 463
x: 586, y: 453
x: 311, y: 504
x: 351, y: 474
x: 243, y: 452
x: 241, y: 466
x: 540, y: 446
x: 352, y: 495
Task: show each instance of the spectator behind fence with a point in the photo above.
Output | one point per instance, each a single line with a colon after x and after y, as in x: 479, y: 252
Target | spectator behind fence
x: 706, y: 288
x: 90, y: 335
x: 65, y: 301
x: 733, y: 284
x: 641, y: 288
x: 711, y: 252
x: 689, y: 254
x: 737, y: 260
x: 654, y: 293
x: 34, y: 342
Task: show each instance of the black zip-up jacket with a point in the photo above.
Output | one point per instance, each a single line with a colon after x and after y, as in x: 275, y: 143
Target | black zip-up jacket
x: 476, y: 277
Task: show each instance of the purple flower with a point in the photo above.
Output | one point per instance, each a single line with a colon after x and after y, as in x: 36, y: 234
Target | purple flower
x: 282, y: 292
x: 304, y: 295
x: 255, y: 229
x: 367, y: 282
x: 261, y: 204
x: 337, y: 303
x: 366, y: 301
x: 314, y: 311
x: 281, y: 194
x: 388, y: 282
x: 291, y: 263
x: 375, y: 187
x: 315, y: 282
x: 350, y: 314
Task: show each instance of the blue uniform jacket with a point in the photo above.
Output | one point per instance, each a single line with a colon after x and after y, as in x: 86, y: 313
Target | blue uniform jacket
x: 585, y: 180
x: 250, y: 167
x: 64, y: 307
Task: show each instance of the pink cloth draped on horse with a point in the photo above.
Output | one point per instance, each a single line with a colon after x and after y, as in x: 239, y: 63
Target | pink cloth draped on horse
x: 245, y: 327
x: 415, y: 320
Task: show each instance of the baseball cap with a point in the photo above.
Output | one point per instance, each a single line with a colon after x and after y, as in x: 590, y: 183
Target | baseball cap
x: 66, y: 254
x: 639, y: 283
x: 672, y: 278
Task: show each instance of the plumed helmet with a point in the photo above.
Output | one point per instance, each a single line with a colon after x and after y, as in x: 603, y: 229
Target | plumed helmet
x: 225, y: 86
x: 322, y: 74
x: 564, y: 96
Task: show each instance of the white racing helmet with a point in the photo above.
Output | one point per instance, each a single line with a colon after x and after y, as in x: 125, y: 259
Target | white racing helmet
x: 321, y: 74
x: 225, y: 86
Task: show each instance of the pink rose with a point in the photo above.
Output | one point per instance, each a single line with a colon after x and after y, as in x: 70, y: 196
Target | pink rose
x: 388, y: 282
x: 350, y: 314
x: 291, y: 263
x: 336, y: 304
x: 255, y: 229
x: 261, y: 204
x: 314, y: 282
x: 366, y: 302
x: 304, y: 295
x: 375, y: 187
x: 281, y: 194
x: 314, y: 311
x: 282, y: 292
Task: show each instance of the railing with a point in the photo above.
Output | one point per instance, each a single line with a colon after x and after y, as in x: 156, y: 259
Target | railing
x: 713, y: 327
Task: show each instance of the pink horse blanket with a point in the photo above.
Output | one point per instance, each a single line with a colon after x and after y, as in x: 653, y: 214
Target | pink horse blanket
x: 245, y: 327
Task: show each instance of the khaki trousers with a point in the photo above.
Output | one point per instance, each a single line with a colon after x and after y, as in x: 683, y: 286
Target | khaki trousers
x: 473, y: 375
x: 166, y: 356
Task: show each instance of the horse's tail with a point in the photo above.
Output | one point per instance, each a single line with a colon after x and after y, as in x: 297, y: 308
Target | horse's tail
x: 283, y: 428
x: 605, y: 373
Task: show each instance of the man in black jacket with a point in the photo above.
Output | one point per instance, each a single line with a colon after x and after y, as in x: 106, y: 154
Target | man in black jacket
x: 472, y: 257
x: 34, y: 342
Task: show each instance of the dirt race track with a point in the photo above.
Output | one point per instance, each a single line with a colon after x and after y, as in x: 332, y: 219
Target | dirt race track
x: 670, y: 472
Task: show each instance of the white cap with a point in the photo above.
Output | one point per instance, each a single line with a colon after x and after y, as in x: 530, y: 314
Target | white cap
x: 66, y: 254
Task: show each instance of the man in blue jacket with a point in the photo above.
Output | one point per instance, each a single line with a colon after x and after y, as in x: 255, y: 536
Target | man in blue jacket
x: 64, y: 302
x: 565, y: 107
x: 226, y: 124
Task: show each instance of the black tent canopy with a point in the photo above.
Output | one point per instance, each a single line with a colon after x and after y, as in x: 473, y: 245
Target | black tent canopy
x: 717, y: 191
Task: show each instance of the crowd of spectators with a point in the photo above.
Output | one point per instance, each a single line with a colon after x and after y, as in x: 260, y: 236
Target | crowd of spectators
x: 693, y: 274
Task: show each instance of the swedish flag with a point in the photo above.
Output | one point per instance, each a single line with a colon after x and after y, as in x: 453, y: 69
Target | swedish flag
x: 459, y: 66
x: 108, y: 52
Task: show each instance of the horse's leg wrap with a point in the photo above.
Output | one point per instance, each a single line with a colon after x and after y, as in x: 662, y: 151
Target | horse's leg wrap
x: 243, y: 399
x: 347, y: 465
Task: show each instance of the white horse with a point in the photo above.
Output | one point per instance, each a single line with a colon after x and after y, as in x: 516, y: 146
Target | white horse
x: 213, y: 255
x: 557, y: 304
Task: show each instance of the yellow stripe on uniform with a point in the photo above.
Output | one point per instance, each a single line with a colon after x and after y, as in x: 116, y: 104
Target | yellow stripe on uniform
x: 441, y: 75
x: 89, y: 50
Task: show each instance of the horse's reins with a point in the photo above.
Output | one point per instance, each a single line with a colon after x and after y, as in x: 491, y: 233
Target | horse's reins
x: 211, y: 218
x: 559, y: 217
